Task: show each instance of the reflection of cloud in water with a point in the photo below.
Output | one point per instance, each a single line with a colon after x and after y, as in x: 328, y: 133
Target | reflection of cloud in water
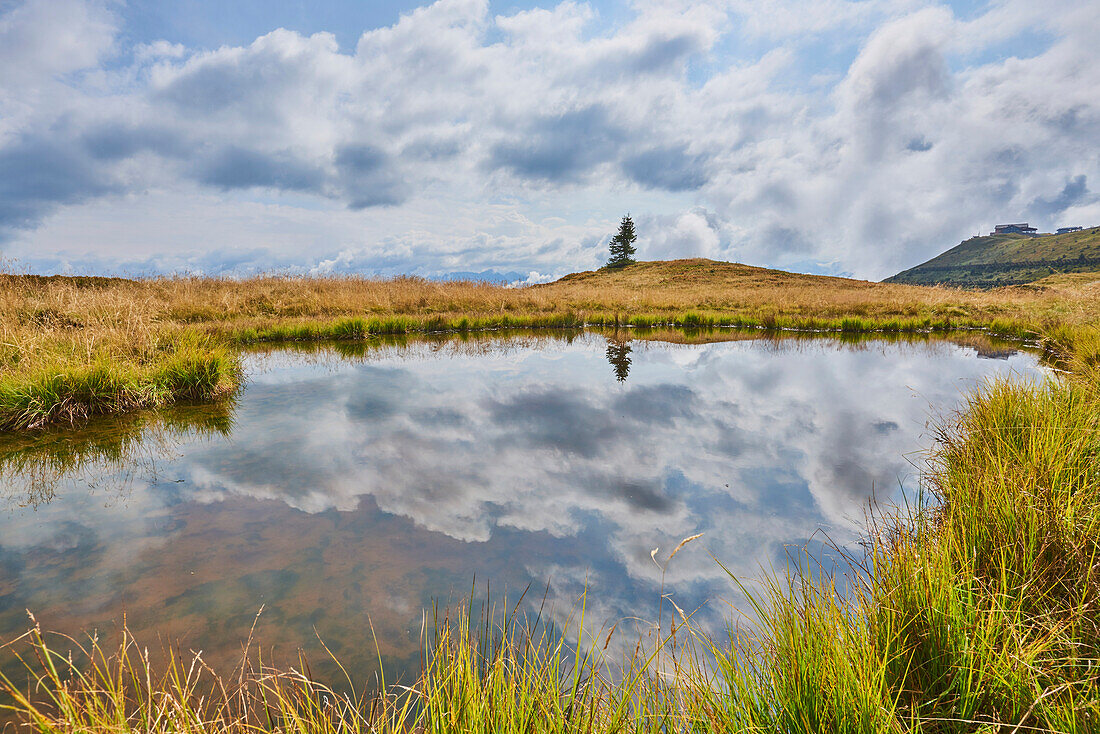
x: 540, y: 459
x: 758, y: 447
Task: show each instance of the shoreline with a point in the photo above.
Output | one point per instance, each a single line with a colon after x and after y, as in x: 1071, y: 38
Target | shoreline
x: 72, y: 348
x: 201, y: 367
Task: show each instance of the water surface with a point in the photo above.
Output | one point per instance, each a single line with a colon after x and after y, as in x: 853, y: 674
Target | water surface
x: 366, y: 482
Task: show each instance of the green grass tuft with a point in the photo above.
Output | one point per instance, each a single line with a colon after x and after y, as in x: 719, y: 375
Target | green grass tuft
x: 187, y: 367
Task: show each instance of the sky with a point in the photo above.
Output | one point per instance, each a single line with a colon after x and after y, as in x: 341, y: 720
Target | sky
x: 464, y: 136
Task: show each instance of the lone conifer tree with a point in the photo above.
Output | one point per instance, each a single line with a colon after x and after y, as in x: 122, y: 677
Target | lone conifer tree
x: 622, y: 244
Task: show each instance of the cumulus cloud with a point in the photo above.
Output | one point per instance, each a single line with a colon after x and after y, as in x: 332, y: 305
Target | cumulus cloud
x: 41, y: 172
x: 41, y: 39
x: 923, y: 127
x: 560, y: 147
x: 1075, y: 193
x: 695, y: 233
x: 237, y: 168
x: 669, y: 167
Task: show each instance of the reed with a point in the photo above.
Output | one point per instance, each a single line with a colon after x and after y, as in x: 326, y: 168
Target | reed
x: 978, y: 611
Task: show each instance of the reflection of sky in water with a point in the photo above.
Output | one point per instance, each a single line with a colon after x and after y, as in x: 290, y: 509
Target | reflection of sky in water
x: 350, y: 488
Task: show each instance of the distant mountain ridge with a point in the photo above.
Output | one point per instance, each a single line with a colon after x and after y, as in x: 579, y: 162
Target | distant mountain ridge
x: 1008, y: 259
x: 484, y: 276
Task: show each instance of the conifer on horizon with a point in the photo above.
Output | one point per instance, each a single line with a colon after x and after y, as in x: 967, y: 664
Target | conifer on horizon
x: 622, y: 244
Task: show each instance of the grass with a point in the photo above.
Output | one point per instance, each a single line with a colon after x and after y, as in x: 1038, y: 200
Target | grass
x: 998, y: 260
x: 497, y: 672
x: 980, y: 612
x: 42, y: 397
x: 978, y: 609
x: 71, y: 348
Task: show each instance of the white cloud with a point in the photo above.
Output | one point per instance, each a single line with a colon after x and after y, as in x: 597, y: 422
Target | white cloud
x: 777, y: 19
x: 413, y: 150
x: 40, y: 39
x: 692, y: 233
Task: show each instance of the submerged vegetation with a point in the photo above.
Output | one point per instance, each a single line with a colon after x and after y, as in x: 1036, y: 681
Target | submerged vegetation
x: 978, y: 609
x: 34, y: 463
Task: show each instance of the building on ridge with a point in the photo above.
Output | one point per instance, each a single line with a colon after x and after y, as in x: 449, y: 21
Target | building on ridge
x: 1022, y: 228
x: 1063, y: 230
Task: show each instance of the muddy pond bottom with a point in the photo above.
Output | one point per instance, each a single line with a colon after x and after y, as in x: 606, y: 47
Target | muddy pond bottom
x: 369, y: 482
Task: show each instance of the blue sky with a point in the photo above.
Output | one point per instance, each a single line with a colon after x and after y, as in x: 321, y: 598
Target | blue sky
x: 212, y: 23
x: 465, y: 135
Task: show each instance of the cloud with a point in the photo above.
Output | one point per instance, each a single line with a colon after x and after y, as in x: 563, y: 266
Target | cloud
x: 918, y: 149
x: 237, y: 168
x: 1075, y: 192
x: 41, y: 39
x: 670, y: 168
x: 40, y: 173
x: 271, y: 83
x: 860, y: 136
x: 783, y: 19
x: 561, y: 147
x: 117, y: 140
x: 694, y: 233
x: 367, y: 177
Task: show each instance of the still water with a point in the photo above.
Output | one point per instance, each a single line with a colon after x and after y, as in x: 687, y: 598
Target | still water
x: 360, y: 483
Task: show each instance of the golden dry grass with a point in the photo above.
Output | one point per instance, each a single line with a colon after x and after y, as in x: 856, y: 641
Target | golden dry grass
x: 95, y: 308
x: 112, y: 344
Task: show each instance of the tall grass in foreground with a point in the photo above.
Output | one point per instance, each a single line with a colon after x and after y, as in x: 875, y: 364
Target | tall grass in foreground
x: 980, y: 613
x: 490, y: 675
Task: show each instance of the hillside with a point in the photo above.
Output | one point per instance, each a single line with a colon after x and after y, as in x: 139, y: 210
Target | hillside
x: 1009, y: 259
x: 698, y: 273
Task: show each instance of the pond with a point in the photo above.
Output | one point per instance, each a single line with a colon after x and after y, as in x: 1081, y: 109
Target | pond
x: 348, y: 483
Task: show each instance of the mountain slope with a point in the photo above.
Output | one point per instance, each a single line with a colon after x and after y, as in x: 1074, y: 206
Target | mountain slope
x: 1008, y: 259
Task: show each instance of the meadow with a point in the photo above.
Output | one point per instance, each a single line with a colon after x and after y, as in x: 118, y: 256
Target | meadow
x: 976, y: 610
x: 71, y: 348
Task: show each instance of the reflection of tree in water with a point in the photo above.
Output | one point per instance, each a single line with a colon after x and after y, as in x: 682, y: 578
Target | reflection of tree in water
x: 618, y: 354
x: 33, y: 465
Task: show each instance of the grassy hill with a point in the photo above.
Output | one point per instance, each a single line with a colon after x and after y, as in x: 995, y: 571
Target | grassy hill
x: 698, y: 273
x: 1008, y: 259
